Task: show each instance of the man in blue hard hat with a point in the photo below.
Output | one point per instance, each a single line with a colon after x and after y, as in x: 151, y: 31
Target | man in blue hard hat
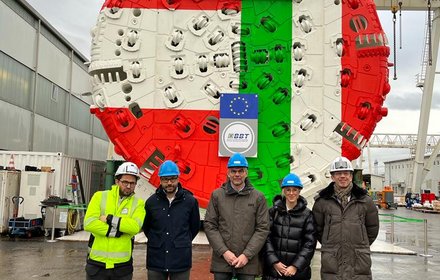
x: 171, y: 222
x: 236, y: 224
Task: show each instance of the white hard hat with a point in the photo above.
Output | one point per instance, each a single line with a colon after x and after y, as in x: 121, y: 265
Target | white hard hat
x: 128, y: 168
x: 341, y: 164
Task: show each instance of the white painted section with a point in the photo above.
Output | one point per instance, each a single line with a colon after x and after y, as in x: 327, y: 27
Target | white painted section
x: 115, y: 44
x: 319, y: 97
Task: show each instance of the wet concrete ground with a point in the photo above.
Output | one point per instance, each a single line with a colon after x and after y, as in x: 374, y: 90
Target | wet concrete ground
x: 36, y: 259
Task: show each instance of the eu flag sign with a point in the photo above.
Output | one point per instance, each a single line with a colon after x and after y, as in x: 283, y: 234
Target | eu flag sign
x: 238, y: 124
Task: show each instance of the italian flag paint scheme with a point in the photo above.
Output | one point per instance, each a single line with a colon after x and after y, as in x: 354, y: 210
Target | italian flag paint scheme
x: 319, y: 68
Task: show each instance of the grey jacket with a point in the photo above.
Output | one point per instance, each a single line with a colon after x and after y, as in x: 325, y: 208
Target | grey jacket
x: 239, y: 222
x: 345, y: 234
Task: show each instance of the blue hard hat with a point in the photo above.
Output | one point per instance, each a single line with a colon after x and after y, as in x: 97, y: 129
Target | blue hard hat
x: 168, y: 168
x: 291, y: 180
x: 237, y: 160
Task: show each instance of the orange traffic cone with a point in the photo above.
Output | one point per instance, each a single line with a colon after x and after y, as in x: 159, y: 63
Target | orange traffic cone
x: 11, y: 165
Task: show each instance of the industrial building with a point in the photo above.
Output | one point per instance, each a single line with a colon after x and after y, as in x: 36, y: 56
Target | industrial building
x: 49, y: 137
x: 398, y: 174
x: 42, y: 79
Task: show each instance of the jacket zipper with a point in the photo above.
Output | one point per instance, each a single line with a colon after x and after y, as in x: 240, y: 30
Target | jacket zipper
x: 329, y: 226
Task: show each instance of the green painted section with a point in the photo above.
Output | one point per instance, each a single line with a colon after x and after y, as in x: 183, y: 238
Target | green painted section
x: 266, y: 70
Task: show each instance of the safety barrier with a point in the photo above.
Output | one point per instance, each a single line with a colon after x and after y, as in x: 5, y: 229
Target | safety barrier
x: 399, y: 219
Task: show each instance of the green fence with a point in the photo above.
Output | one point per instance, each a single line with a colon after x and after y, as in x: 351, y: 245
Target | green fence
x: 399, y: 219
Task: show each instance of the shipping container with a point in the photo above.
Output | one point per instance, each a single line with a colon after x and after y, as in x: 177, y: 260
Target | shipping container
x: 92, y: 172
x: 9, y: 187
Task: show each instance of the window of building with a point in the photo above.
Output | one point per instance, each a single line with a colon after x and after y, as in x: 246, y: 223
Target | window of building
x: 80, y: 117
x: 16, y: 82
x: 51, y: 100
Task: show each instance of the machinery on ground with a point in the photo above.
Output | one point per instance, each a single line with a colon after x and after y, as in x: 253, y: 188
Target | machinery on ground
x: 384, y: 199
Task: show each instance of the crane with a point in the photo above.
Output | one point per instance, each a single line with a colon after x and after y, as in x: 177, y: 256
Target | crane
x: 427, y: 84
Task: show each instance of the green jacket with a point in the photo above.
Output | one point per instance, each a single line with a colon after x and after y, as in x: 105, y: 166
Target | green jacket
x: 111, y: 243
x: 239, y: 222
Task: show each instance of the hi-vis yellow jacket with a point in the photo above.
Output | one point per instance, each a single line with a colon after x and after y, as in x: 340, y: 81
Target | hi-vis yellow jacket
x: 111, y: 243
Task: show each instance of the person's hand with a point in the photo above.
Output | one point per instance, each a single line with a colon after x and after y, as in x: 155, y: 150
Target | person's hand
x: 290, y: 271
x: 229, y: 257
x: 280, y: 268
x: 241, y: 261
x: 103, y: 218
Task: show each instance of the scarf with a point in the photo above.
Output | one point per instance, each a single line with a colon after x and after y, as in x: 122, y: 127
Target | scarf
x: 342, y: 194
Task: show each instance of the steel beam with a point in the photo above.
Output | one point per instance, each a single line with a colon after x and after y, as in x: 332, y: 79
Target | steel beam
x: 425, y: 109
x: 407, y: 5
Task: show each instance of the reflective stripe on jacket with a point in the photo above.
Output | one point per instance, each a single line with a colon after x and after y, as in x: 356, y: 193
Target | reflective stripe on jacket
x: 112, y: 245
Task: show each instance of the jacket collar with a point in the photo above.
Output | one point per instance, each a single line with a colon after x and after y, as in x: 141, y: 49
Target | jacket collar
x: 179, y: 194
x: 357, y: 192
x: 245, y: 191
x: 279, y: 204
x: 115, y: 191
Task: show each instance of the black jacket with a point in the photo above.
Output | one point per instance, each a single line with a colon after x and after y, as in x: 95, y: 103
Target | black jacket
x: 291, y: 240
x: 170, y: 230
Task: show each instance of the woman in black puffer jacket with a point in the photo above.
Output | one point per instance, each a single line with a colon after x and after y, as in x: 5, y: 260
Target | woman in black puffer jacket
x: 291, y: 243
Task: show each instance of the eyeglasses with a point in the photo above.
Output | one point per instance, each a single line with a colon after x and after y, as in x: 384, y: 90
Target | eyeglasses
x: 126, y: 183
x: 172, y: 179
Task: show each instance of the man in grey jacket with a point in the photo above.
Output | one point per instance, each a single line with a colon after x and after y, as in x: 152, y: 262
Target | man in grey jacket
x: 236, y: 224
x: 347, y: 223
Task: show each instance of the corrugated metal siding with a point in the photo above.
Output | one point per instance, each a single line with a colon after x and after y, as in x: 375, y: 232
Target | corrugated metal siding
x: 91, y: 171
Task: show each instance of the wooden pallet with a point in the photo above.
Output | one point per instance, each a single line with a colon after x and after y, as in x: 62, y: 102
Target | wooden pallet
x: 424, y: 210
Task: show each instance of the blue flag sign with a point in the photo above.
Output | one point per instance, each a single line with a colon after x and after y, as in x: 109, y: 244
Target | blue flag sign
x: 238, y: 124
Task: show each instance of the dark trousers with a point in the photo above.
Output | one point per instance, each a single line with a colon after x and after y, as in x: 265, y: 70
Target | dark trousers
x: 228, y: 276
x: 160, y: 275
x: 94, y: 272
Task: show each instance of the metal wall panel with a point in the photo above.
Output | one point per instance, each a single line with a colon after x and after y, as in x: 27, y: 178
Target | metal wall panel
x: 100, y: 149
x: 50, y: 136
x: 80, y: 80
x: 14, y: 127
x: 53, y: 63
x: 18, y: 39
x: 80, y: 144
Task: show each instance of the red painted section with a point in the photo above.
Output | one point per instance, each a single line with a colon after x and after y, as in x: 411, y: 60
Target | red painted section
x: 364, y: 75
x: 207, y: 5
x: 189, y: 137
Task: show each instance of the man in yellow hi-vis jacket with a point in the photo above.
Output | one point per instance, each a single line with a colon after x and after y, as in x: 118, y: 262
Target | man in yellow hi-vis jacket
x: 113, y: 217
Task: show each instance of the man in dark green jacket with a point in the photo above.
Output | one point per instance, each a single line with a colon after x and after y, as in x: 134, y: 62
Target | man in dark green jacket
x: 347, y: 223
x: 236, y: 224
